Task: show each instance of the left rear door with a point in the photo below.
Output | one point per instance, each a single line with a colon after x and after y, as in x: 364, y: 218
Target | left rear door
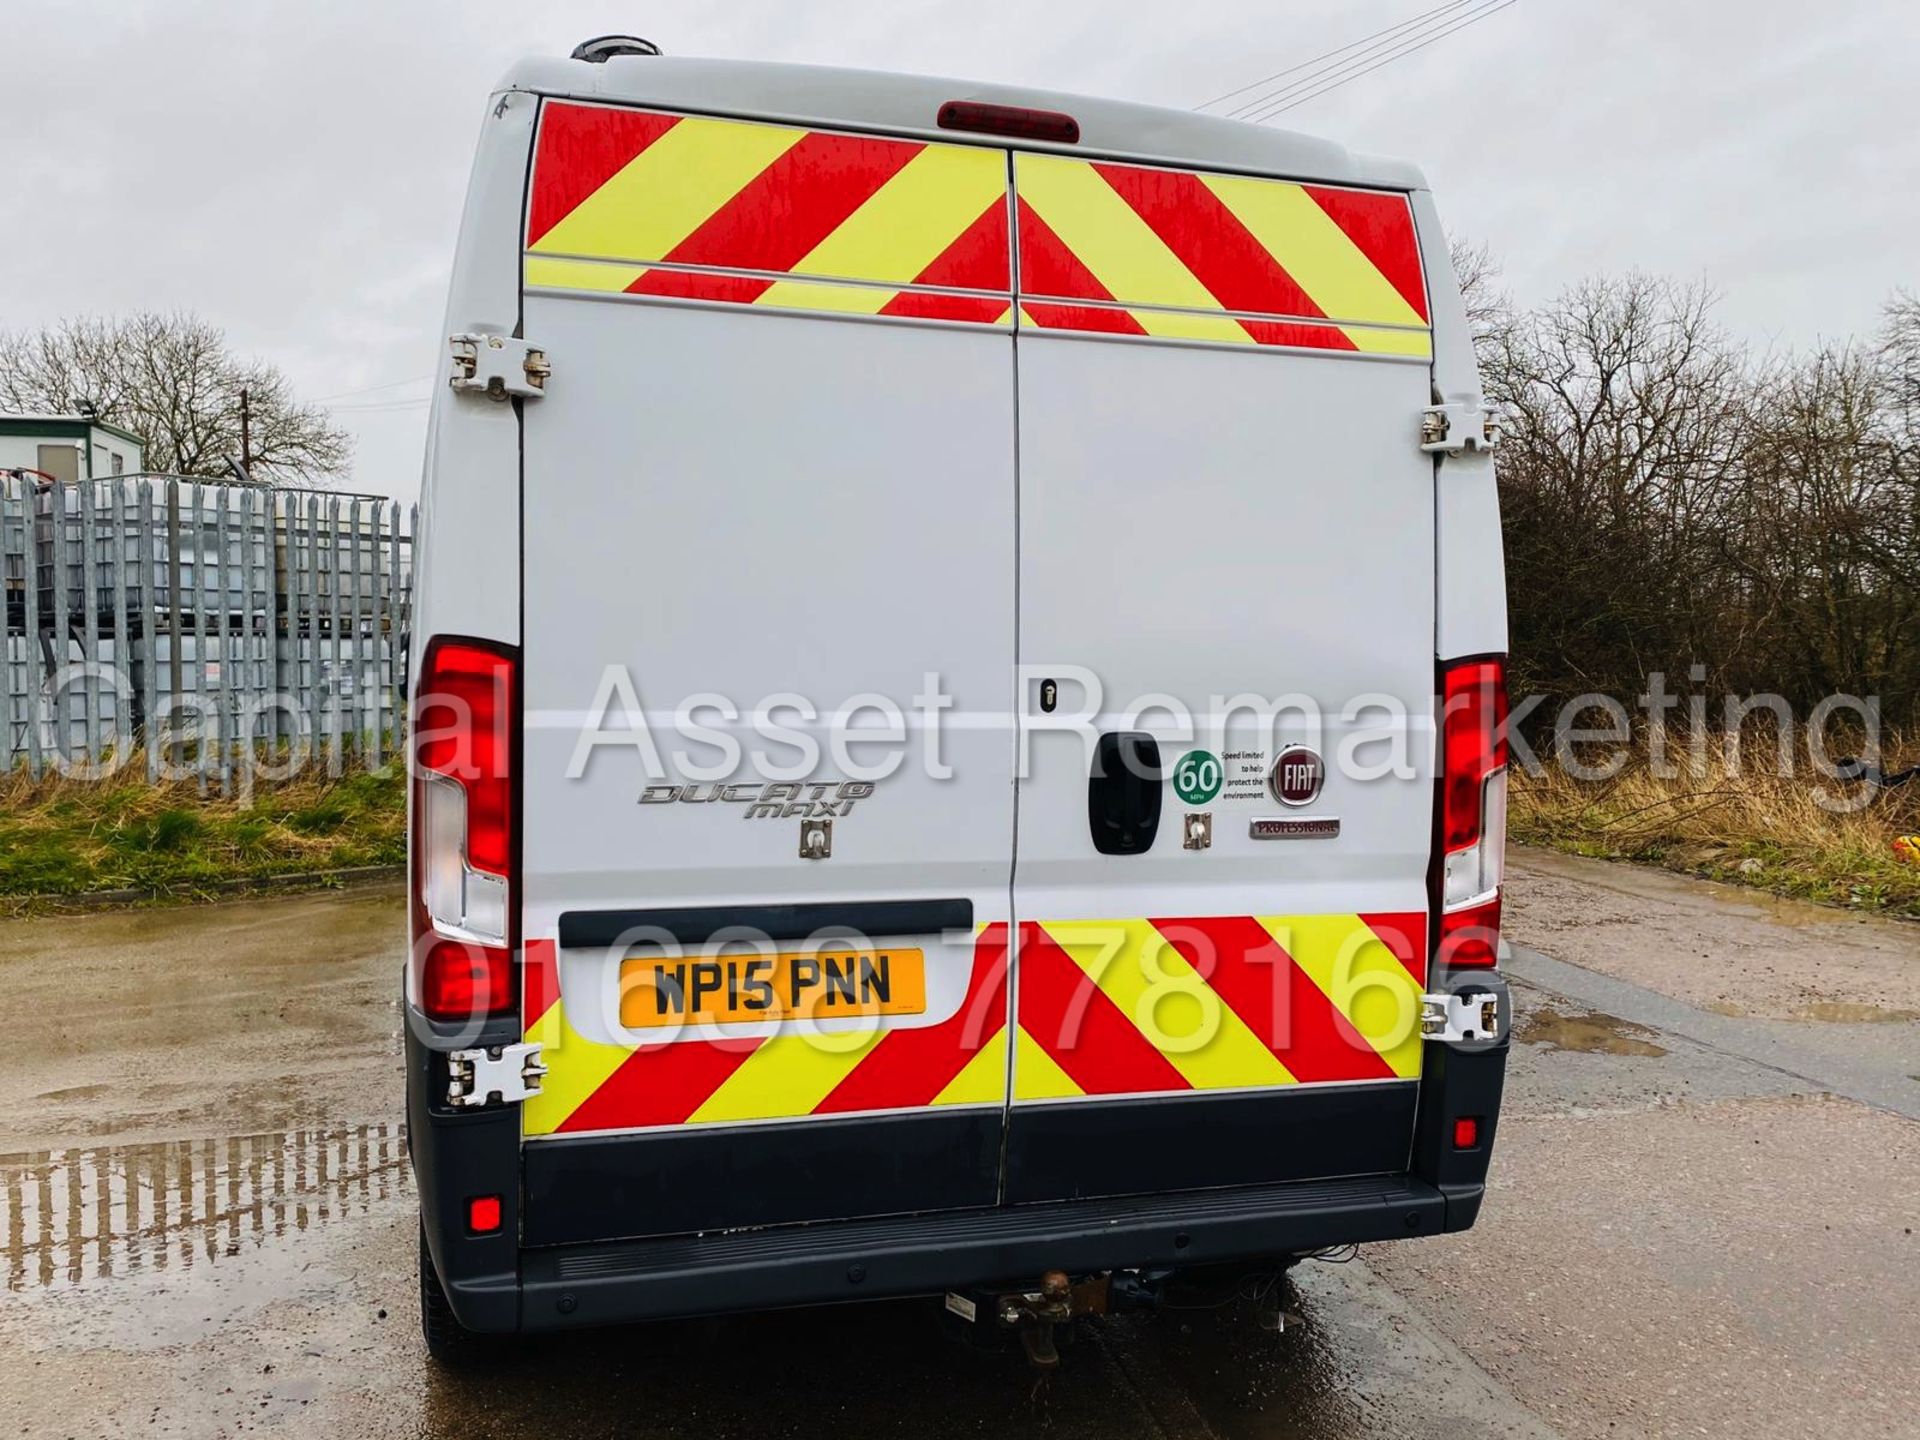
x: 772, y: 484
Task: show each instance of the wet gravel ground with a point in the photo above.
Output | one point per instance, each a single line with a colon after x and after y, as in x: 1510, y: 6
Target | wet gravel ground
x: 1701, y: 1219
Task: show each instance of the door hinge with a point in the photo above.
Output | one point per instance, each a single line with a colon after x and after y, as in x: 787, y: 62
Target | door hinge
x: 498, y: 366
x: 1450, y: 429
x: 1469, y: 1015
x: 502, y: 1073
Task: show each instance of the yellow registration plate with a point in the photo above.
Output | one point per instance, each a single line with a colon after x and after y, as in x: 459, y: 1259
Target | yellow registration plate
x: 816, y: 984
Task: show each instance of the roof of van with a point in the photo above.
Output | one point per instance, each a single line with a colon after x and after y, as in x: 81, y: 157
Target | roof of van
x: 823, y: 95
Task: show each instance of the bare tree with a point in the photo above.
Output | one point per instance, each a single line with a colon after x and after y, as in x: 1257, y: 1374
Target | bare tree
x: 1830, y: 532
x: 172, y: 380
x: 1490, y: 312
x: 1670, y: 501
x: 1625, y: 410
x: 1900, y: 352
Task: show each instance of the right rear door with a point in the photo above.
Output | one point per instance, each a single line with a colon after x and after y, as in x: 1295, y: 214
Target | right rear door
x: 1226, y: 530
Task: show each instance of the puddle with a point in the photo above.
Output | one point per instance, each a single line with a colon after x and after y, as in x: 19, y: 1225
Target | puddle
x: 1592, y: 1033
x: 79, y: 1215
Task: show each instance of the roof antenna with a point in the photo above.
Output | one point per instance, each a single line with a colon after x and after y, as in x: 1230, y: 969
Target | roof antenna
x: 603, y: 48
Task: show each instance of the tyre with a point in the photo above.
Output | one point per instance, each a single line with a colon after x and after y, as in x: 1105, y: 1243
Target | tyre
x: 448, y: 1341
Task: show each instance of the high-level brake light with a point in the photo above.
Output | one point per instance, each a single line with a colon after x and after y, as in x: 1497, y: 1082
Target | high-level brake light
x: 463, y: 829
x: 1019, y: 121
x: 1473, y: 810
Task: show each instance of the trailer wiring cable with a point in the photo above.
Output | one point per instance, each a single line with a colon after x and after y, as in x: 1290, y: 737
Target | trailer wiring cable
x: 1247, y: 1287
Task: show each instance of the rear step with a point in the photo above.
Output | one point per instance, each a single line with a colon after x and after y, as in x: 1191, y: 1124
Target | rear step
x: 921, y: 1254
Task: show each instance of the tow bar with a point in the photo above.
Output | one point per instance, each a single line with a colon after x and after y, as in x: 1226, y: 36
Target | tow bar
x: 1036, y: 1314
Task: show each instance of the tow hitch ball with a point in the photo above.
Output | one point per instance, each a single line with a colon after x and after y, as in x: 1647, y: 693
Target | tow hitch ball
x: 1035, y: 1313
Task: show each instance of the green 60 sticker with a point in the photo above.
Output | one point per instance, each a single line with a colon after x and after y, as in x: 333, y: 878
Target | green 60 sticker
x: 1196, y: 779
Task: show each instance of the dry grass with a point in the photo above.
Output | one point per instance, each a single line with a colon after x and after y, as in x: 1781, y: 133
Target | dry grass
x: 1741, y: 824
x: 69, y: 837
x: 1744, y: 825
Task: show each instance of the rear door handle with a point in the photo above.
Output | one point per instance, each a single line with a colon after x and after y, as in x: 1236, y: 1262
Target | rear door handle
x: 1123, y: 793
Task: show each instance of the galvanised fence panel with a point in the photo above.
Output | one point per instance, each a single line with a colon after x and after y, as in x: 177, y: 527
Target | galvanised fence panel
x: 177, y: 626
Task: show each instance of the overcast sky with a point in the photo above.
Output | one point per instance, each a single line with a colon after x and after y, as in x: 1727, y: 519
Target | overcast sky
x: 294, y: 172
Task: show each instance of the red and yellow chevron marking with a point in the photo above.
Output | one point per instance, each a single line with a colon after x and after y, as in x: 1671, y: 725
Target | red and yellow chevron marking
x: 592, y: 1086
x: 1105, y: 1007
x: 649, y: 204
x: 1128, y: 1007
x: 688, y: 207
x: 1225, y: 258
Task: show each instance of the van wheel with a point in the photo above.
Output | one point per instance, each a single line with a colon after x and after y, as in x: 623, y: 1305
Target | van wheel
x: 448, y: 1341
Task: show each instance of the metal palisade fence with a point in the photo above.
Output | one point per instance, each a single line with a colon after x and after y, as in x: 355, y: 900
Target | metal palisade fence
x: 200, y: 627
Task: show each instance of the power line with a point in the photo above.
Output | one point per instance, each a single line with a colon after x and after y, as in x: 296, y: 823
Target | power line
x: 1419, y: 30
x: 370, y: 389
x: 1389, y: 59
x: 1327, y: 82
x: 1361, y: 61
x: 1317, y: 59
x: 377, y: 406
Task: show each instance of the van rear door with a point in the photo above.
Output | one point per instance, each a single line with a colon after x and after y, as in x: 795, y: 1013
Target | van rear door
x: 771, y: 488
x: 1224, y: 513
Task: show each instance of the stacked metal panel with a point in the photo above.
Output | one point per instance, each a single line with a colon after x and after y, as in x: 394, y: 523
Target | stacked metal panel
x: 174, y: 623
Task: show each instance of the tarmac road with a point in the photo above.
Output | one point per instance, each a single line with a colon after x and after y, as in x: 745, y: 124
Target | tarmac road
x: 1704, y: 1199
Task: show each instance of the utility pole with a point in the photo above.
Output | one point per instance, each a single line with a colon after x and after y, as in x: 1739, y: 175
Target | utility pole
x: 246, y: 430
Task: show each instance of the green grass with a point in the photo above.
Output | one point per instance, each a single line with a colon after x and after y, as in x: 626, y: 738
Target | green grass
x: 65, y: 838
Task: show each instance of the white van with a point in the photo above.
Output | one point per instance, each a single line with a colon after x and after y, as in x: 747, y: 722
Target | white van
x: 959, y: 703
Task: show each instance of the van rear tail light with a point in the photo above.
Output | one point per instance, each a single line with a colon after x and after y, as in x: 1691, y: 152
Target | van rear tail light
x: 458, y: 896
x: 463, y: 717
x: 1473, y: 810
x: 1470, y: 935
x: 462, y: 980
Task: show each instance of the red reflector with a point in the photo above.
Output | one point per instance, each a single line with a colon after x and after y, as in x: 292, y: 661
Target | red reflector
x: 483, y: 1214
x: 1471, y: 937
x: 1466, y: 1132
x: 1010, y: 120
x: 461, y: 981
